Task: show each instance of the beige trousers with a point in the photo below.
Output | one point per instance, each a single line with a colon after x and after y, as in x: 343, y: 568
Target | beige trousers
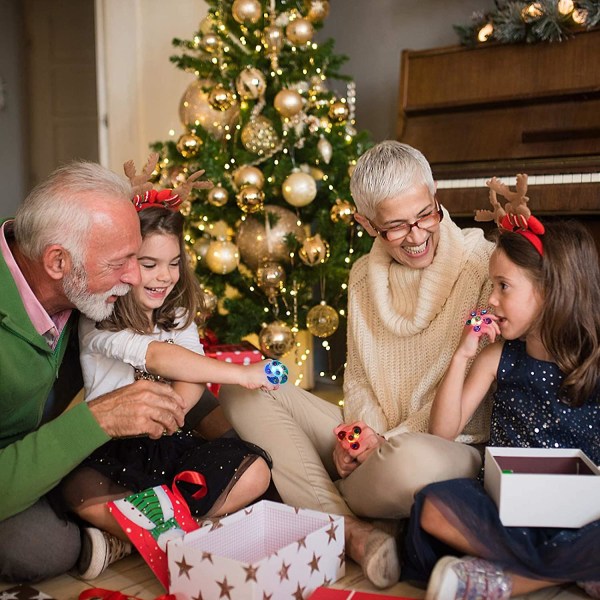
x: 296, y: 428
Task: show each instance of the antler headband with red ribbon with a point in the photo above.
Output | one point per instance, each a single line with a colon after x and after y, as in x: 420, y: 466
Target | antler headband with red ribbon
x: 146, y: 196
x: 515, y: 216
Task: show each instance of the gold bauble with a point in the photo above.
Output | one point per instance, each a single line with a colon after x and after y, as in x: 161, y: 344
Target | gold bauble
x: 250, y: 83
x: 299, y: 189
x: 195, y: 108
x: 222, y: 257
x: 192, y: 257
x: 209, y: 301
x: 206, y: 25
x: 201, y: 248
x: 314, y: 251
x: 343, y: 211
x: 339, y: 111
x: 250, y: 199
x: 185, y: 208
x: 272, y: 39
x: 288, y: 103
x: 317, y: 10
x: 220, y: 229
x: 256, y: 245
x: 218, y: 196
x: 221, y: 98
x: 246, y: 12
x: 276, y: 339
x: 188, y: 145
x: 248, y: 175
x: 325, y: 149
x: 270, y: 277
x: 259, y: 136
x: 322, y: 320
x: 210, y: 42
x: 299, y: 31
x: 175, y: 177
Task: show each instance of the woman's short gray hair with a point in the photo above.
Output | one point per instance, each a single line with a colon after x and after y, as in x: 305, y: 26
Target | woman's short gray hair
x: 385, y: 171
x: 60, y: 210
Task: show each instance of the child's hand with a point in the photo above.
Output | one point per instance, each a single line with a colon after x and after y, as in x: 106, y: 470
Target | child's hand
x: 479, y: 324
x: 357, y: 440
x: 255, y: 377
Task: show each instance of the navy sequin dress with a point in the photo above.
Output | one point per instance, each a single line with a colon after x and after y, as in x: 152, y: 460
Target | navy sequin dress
x: 528, y: 414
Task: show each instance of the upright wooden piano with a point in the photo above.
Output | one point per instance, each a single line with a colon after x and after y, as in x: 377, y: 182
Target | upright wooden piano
x: 507, y: 109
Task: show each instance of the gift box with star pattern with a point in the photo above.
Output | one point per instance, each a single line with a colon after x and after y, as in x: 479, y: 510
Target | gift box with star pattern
x: 264, y: 552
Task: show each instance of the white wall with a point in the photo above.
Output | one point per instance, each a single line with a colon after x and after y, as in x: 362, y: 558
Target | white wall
x: 138, y: 87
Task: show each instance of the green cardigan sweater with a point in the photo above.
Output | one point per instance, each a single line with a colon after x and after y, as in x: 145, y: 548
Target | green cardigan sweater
x: 34, y: 459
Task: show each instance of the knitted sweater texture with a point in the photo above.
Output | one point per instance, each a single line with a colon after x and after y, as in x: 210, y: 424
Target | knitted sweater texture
x: 403, y: 327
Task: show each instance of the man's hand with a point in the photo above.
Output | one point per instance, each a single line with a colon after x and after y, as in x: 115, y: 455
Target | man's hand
x: 142, y: 408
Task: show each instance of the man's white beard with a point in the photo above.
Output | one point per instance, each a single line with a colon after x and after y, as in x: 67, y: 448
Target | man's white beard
x: 93, y: 306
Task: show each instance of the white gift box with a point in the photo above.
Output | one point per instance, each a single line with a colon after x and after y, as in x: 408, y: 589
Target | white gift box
x: 540, y: 487
x: 266, y: 551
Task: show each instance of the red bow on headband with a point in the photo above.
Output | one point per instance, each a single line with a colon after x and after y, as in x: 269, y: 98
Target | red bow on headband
x: 162, y: 198
x: 528, y: 227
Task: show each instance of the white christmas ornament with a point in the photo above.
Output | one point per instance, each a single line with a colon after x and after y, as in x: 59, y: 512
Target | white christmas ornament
x: 299, y: 189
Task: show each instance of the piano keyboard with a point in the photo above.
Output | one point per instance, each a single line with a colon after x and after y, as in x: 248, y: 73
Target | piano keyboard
x: 531, y: 180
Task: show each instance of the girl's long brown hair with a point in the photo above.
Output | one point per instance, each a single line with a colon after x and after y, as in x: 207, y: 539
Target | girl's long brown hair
x: 185, y: 295
x: 568, y: 277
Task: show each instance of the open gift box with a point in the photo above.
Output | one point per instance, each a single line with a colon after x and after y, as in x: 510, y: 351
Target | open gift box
x: 543, y: 487
x: 267, y: 550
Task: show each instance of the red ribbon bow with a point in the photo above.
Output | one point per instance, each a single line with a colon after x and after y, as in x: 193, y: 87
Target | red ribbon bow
x: 163, y: 198
x: 530, y: 228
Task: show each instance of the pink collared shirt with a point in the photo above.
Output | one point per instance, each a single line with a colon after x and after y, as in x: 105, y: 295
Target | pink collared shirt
x: 50, y: 327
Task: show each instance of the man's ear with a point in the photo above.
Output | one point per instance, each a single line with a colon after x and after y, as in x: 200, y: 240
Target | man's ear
x: 362, y: 220
x: 56, y: 261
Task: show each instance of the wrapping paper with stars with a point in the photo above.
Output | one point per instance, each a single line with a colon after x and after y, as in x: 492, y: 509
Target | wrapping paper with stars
x: 23, y: 592
x: 267, y: 551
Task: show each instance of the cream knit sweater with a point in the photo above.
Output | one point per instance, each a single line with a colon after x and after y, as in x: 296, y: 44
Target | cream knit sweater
x: 403, y: 327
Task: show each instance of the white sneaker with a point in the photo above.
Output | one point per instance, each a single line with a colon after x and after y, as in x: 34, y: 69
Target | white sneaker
x: 467, y: 579
x: 98, y: 550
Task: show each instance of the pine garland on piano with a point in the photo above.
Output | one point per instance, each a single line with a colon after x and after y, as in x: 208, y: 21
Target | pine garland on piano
x: 518, y: 21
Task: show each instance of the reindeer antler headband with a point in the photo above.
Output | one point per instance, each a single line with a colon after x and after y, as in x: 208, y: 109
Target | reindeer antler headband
x: 146, y: 196
x: 515, y: 216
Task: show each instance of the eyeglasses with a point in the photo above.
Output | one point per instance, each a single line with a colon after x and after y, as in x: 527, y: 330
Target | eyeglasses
x: 399, y: 232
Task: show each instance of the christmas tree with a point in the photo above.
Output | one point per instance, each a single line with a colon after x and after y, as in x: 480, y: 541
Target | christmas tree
x: 273, y: 242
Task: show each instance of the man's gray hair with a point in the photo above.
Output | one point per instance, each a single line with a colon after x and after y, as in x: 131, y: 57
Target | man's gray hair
x: 60, y: 210
x: 385, y: 171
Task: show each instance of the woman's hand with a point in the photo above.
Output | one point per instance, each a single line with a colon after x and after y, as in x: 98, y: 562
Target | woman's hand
x: 356, y: 442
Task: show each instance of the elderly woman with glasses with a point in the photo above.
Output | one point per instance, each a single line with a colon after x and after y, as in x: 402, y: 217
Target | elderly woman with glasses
x: 408, y: 301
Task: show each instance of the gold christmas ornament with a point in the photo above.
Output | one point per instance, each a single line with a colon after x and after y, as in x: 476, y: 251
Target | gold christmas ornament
x: 248, y: 175
x: 343, y: 211
x: 299, y: 31
x: 218, y: 196
x: 209, y: 300
x: 288, y: 103
x: 195, y: 108
x: 259, y: 136
x: 207, y: 25
x: 222, y: 257
x: 317, y: 10
x: 276, y: 339
x: 188, y: 145
x: 272, y: 39
x: 325, y: 149
x: 210, y: 42
x: 246, y: 12
x: 339, y: 112
x: 314, y: 251
x: 221, y: 98
x: 270, y: 277
x: 176, y: 176
x: 185, y: 208
x: 192, y: 257
x: 299, y: 189
x: 201, y: 248
x: 250, y: 83
x: 250, y: 199
x: 257, y: 243
x: 322, y: 320
x: 220, y: 229
x: 316, y: 174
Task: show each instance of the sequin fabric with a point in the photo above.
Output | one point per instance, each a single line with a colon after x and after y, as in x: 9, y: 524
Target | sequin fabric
x: 527, y: 412
x: 480, y: 580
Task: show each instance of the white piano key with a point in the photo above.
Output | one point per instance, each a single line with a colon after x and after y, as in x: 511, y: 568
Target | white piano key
x: 577, y: 177
x: 568, y: 178
x: 481, y: 182
x: 557, y: 179
x: 586, y: 177
x: 595, y: 177
x: 546, y: 180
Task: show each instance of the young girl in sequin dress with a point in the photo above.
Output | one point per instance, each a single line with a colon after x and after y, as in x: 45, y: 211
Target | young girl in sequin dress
x: 131, y: 345
x: 546, y: 307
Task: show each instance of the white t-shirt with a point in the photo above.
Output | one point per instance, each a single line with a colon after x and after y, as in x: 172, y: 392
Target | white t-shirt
x: 108, y: 358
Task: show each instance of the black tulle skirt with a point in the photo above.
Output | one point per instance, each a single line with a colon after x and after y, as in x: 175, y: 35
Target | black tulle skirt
x: 135, y: 464
x: 561, y: 555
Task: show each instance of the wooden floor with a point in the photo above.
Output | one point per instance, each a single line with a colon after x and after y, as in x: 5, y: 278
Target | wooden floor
x: 133, y: 577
